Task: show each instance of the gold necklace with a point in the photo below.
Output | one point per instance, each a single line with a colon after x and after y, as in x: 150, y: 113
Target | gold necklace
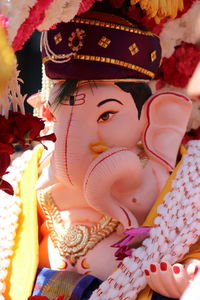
x: 73, y: 241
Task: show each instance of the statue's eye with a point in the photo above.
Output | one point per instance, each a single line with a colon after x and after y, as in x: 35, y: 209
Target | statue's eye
x: 106, y: 116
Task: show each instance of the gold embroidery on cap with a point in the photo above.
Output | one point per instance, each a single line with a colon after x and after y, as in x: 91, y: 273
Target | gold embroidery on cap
x: 111, y: 25
x: 104, y: 42
x: 108, y: 61
x: 75, y: 41
x: 153, y: 56
x: 133, y: 49
x: 58, y: 38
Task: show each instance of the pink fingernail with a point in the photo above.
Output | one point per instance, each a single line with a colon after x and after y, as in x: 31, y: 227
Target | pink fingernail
x: 163, y: 266
x: 176, y: 269
x: 153, y: 268
x: 146, y: 272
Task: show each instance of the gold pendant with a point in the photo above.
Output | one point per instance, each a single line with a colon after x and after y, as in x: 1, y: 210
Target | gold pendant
x: 73, y: 241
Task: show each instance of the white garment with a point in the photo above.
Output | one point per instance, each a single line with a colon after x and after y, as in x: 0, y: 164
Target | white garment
x: 193, y: 291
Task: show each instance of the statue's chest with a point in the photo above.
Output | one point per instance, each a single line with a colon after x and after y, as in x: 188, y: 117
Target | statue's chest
x: 76, y: 246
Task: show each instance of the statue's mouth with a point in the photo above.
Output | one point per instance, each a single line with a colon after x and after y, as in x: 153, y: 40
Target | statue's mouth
x: 99, y: 147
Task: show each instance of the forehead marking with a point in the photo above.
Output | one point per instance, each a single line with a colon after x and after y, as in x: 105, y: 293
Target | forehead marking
x: 76, y: 100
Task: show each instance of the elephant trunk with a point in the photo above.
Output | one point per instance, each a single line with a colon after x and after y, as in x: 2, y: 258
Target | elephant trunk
x: 116, y: 168
x: 72, y: 156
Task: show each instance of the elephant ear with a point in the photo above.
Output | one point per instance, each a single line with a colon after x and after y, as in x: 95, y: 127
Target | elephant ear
x: 167, y: 117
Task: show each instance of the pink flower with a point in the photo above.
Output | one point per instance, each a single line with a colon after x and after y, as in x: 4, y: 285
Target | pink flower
x: 3, y: 21
x: 134, y: 237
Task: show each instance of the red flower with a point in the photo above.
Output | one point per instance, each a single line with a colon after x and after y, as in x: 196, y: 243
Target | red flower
x: 152, y: 25
x: 6, y: 135
x: 85, y: 6
x: 177, y: 69
x: 187, y: 6
x: 18, y: 129
x: 27, y: 129
x: 4, y: 164
x: 117, y: 3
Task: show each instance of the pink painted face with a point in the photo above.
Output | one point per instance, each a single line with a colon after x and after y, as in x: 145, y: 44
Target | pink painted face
x: 100, y: 112
x: 109, y: 110
x: 116, y: 183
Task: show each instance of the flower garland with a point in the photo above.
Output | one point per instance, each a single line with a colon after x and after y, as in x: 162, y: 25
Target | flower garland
x: 159, y: 9
x: 178, y: 227
x: 59, y: 11
x: 36, y: 16
x: 178, y: 68
x: 180, y: 30
x: 17, y: 12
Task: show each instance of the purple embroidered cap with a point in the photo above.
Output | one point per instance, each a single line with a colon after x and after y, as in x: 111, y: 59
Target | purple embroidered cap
x: 100, y: 46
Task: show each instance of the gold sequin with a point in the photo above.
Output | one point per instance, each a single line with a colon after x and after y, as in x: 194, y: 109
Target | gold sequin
x: 58, y: 38
x: 133, y: 49
x: 108, y: 61
x: 78, y: 20
x: 153, y: 56
x: 104, y: 42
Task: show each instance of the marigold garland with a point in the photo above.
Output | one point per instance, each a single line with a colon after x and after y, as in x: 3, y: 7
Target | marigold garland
x: 160, y: 9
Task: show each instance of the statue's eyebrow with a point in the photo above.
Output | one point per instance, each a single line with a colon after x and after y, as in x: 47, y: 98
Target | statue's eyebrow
x: 108, y: 100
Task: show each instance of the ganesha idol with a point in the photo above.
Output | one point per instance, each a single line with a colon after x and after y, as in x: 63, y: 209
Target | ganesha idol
x: 116, y: 147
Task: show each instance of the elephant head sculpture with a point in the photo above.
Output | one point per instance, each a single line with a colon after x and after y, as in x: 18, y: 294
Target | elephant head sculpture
x: 117, y: 182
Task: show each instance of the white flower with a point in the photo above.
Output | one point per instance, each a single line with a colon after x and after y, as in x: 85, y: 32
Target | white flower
x: 16, y: 11
x: 182, y: 29
x: 59, y: 11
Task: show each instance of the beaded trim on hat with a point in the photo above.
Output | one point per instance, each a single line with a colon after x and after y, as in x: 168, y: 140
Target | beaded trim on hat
x: 105, y: 24
x: 57, y: 59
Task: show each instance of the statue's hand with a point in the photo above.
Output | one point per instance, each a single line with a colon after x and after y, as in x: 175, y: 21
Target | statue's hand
x: 171, y: 280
